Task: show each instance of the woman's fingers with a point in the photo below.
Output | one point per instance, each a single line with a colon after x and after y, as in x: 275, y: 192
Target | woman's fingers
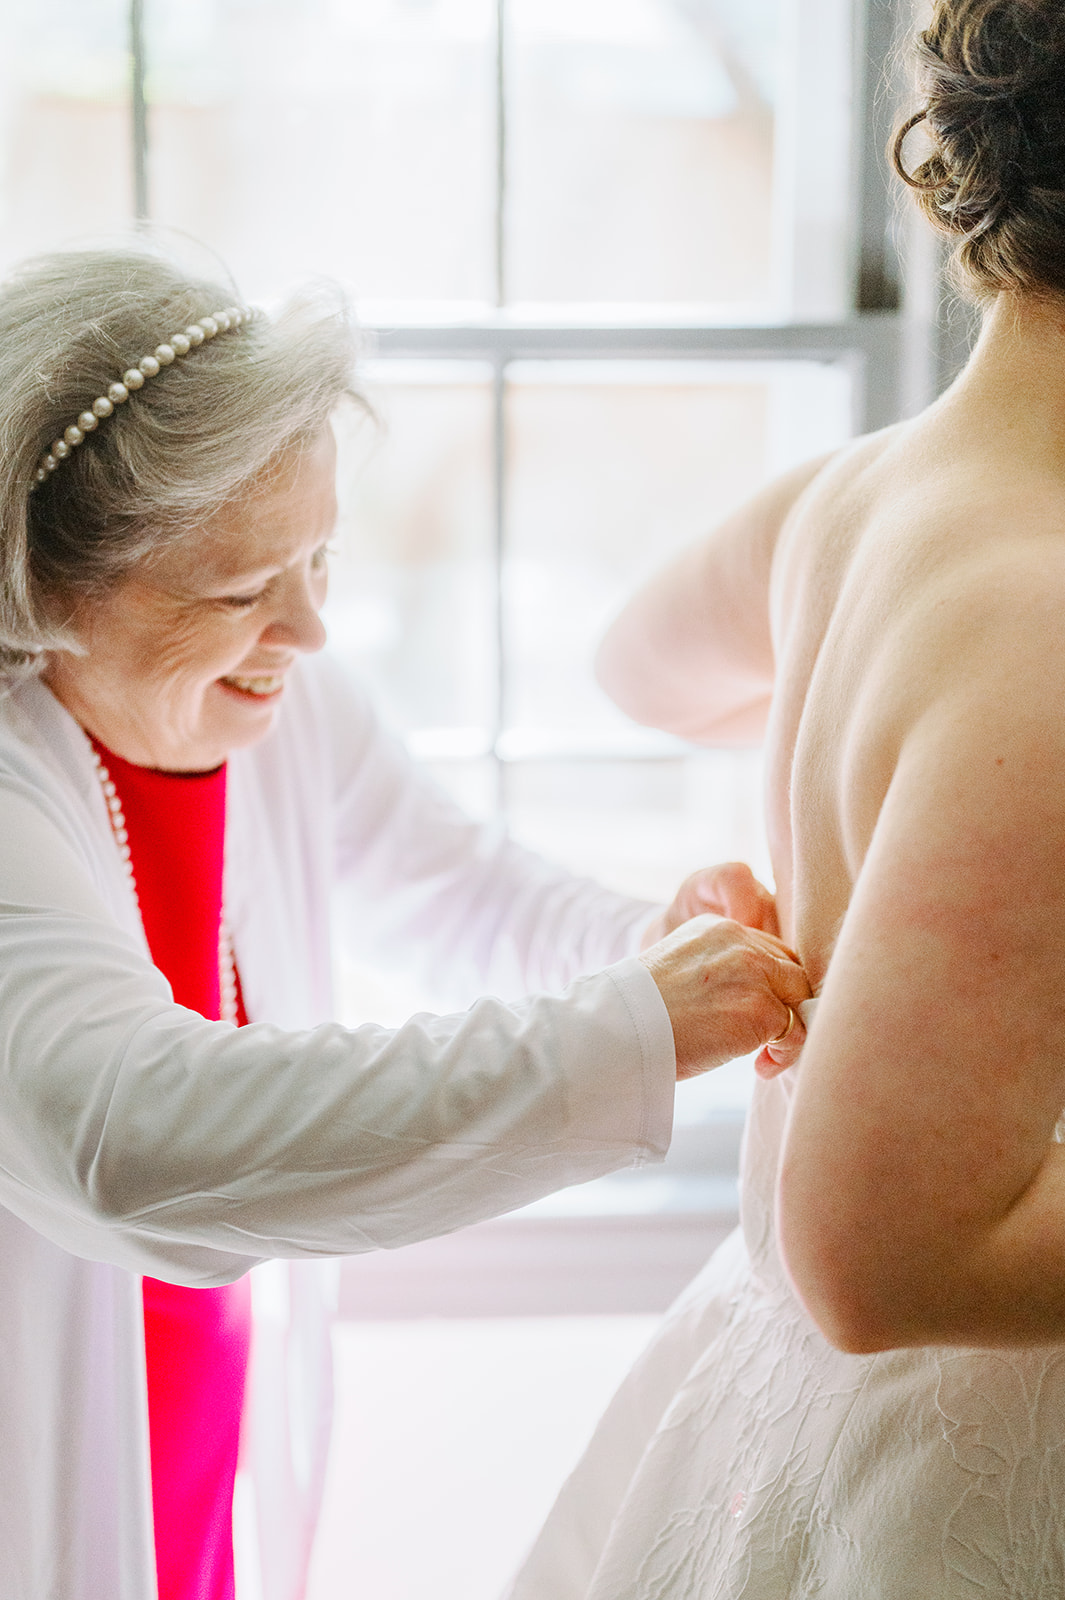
x: 729, y: 890
x: 783, y: 1050
x: 728, y: 990
x: 733, y: 891
x: 791, y: 987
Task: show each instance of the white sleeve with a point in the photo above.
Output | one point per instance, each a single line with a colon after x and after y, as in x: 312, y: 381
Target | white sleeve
x: 454, y: 901
x: 133, y: 1131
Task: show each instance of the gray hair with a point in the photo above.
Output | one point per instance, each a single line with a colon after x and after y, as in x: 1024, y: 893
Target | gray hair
x: 191, y: 440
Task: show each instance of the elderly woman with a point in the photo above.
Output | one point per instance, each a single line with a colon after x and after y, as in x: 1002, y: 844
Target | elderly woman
x: 180, y: 789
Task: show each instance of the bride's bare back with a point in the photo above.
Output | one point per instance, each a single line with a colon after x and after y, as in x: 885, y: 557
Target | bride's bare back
x: 892, y: 622
x: 909, y: 597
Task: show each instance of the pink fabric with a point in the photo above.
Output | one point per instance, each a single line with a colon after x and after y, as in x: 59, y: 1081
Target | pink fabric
x: 196, y: 1340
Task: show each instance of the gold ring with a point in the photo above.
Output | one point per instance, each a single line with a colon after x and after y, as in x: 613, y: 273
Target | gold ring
x: 791, y: 1023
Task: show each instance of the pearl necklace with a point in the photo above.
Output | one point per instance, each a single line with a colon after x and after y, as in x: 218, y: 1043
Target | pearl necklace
x: 227, y: 965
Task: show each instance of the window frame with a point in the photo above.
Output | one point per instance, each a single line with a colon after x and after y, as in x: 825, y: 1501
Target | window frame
x: 900, y: 339
x: 899, y: 350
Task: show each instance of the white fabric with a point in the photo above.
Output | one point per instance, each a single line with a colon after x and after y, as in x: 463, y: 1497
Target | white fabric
x: 137, y: 1137
x: 746, y: 1459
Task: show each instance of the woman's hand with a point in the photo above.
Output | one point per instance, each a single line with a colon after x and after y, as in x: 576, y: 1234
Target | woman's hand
x: 728, y: 991
x: 731, y: 890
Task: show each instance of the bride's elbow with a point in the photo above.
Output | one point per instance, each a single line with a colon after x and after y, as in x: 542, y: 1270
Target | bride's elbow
x: 836, y: 1280
x: 848, y: 1325
x: 851, y: 1322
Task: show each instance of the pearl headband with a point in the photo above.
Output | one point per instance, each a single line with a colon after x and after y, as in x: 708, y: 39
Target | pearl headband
x: 179, y: 344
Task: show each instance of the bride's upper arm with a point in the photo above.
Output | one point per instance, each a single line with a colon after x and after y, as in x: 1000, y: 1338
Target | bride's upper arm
x: 691, y: 652
x: 913, y: 1203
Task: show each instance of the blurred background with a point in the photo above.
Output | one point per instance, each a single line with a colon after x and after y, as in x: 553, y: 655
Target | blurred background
x: 618, y: 261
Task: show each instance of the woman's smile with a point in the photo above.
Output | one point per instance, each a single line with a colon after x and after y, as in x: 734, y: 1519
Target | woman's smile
x: 260, y: 688
x: 188, y: 661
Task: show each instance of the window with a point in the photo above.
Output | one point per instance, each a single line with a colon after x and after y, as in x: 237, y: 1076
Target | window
x: 619, y: 260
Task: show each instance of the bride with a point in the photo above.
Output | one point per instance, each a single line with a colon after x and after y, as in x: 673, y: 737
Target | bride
x: 863, y: 1395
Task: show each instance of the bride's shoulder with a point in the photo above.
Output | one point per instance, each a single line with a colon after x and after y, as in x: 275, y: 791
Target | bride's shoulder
x: 853, y: 466
x: 938, y: 522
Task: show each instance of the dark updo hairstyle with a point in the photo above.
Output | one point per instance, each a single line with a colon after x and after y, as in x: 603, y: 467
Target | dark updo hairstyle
x: 992, y: 73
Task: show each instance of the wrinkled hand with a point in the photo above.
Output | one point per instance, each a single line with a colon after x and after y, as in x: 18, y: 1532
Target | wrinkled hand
x: 728, y: 990
x: 730, y: 890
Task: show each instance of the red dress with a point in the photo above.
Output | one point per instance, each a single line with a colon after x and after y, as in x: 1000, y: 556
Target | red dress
x: 196, y: 1340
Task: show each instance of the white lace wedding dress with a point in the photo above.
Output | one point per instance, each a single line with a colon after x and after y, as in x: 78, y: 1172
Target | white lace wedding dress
x: 745, y: 1457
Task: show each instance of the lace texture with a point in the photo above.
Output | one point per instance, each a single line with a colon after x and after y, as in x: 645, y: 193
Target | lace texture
x: 746, y: 1459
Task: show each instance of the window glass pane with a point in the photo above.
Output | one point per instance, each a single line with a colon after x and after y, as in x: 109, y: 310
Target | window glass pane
x: 356, y: 139
x: 640, y: 150
x: 64, y: 123
x: 613, y: 468
x: 642, y: 827
x: 412, y: 601
x: 815, y: 198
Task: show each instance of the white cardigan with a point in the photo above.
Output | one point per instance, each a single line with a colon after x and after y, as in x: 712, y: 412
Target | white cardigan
x: 135, y: 1137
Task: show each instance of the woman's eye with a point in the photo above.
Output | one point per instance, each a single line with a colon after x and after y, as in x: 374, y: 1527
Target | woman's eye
x: 241, y: 602
x: 320, y: 559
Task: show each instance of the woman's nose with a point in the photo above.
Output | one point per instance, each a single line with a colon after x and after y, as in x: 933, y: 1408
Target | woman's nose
x: 297, y: 623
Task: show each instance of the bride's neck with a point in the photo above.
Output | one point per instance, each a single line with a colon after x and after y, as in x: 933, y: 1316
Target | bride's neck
x: 1015, y: 378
